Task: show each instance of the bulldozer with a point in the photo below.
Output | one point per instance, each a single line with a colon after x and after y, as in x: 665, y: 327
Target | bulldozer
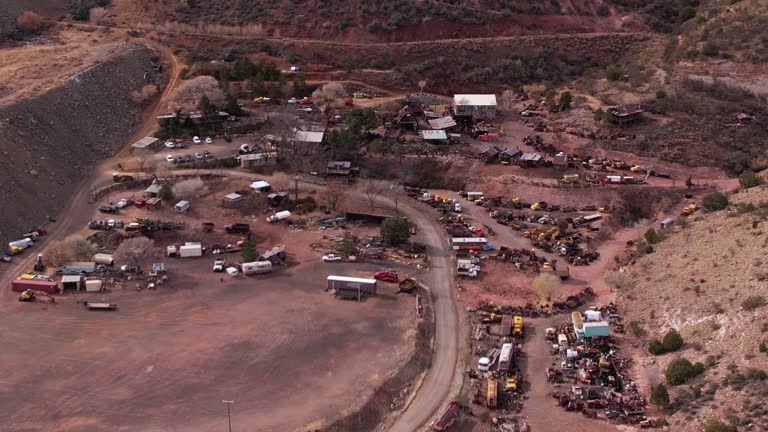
x: 690, y: 209
x: 35, y: 295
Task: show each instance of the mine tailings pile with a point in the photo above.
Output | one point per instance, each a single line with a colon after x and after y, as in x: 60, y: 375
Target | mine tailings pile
x: 48, y: 142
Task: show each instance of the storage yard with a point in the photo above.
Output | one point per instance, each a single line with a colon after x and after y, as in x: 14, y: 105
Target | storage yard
x: 145, y: 368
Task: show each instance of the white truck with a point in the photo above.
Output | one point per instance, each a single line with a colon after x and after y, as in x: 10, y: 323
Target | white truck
x: 181, y: 207
x: 256, y: 267
x: 17, y: 246
x: 277, y: 217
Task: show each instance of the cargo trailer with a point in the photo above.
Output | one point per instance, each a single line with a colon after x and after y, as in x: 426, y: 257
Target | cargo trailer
x: 257, y: 267
x: 103, y: 259
x: 47, y: 286
x: 505, y: 358
x: 191, y: 250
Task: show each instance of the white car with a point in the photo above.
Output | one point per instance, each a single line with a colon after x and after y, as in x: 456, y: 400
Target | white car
x: 218, y: 265
x: 196, y: 140
x: 208, y: 140
x: 331, y: 258
x: 293, y: 101
x: 169, y: 158
x: 170, y: 144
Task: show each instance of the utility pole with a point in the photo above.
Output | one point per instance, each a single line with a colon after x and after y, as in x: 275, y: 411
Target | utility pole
x: 229, y: 415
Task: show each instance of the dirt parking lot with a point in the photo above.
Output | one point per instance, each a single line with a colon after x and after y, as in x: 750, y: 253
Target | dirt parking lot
x: 276, y: 344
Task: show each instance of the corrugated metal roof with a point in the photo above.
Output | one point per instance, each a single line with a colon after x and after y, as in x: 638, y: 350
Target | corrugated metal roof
x: 531, y: 157
x: 233, y: 196
x: 434, y: 135
x: 71, y: 279
x: 474, y: 100
x: 351, y: 279
x: 144, y: 142
x: 442, y: 123
x: 307, y: 136
x: 261, y: 184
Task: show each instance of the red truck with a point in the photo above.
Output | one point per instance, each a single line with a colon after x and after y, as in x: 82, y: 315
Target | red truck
x: 21, y: 285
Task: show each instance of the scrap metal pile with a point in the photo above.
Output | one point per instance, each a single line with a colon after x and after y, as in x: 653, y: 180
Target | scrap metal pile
x: 592, y: 376
x: 537, y: 142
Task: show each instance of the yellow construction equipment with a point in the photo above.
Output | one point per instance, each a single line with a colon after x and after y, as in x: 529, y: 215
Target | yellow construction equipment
x: 511, y: 383
x: 492, y: 393
x: 517, y: 326
x: 35, y: 295
x: 690, y: 209
x: 570, y: 178
x: 536, y: 206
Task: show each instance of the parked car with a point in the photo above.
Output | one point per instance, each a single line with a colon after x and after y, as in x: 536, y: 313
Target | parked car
x: 178, y: 159
x: 108, y: 209
x: 189, y: 158
x: 170, y: 144
x: 331, y: 258
x: 207, y: 155
x: 218, y: 265
x: 293, y: 101
x: 181, y: 144
x: 124, y: 202
x: 169, y: 158
x: 199, y: 156
x: 196, y: 140
x: 386, y: 276
x: 208, y: 140
x: 140, y: 203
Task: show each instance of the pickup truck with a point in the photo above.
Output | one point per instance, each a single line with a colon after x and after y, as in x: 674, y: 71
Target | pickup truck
x: 331, y: 258
x: 108, y: 209
x: 218, y: 265
x: 239, y: 228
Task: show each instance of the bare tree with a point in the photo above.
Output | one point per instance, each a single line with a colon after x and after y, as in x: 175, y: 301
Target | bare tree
x: 653, y: 374
x: 97, y: 15
x: 191, y: 188
x: 372, y: 190
x: 334, y: 195
x: 546, y: 286
x: 329, y: 96
x: 146, y: 93
x: 57, y: 254
x: 422, y: 84
x: 131, y: 251
x: 188, y: 95
x: 81, y: 248
x: 142, y: 156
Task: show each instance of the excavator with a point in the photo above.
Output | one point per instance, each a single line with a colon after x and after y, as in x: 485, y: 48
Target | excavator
x: 35, y: 295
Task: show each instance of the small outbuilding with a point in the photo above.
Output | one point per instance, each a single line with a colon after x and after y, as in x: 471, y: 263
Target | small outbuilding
x: 72, y: 282
x: 531, y: 160
x: 341, y: 168
x: 510, y: 154
x: 490, y: 154
x: 146, y: 144
x: 255, y: 160
x: 624, y: 114
x: 261, y: 186
x: 434, y: 136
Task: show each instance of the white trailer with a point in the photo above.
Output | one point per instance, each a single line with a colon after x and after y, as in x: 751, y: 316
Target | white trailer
x: 256, y: 267
x: 190, y: 249
x: 103, y: 259
x: 21, y: 244
x: 93, y: 285
x: 277, y: 217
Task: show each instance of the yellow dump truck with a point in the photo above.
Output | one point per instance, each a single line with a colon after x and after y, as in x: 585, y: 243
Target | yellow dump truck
x: 517, y: 326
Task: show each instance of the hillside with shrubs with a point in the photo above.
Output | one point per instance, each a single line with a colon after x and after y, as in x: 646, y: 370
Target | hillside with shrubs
x: 697, y: 307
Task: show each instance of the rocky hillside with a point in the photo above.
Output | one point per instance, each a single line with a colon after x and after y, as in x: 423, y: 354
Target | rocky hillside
x: 49, y: 141
x: 708, y: 279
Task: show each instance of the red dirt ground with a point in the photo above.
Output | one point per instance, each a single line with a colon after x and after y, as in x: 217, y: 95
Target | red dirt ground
x: 276, y: 344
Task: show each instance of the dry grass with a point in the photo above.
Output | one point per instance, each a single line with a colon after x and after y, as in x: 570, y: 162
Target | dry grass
x: 698, y: 281
x: 30, y: 69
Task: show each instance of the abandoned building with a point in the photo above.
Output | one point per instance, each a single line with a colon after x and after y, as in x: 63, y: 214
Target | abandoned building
x: 490, y: 154
x: 532, y: 160
x: 434, y: 136
x: 255, y: 160
x: 341, y: 168
x: 308, y: 141
x: 406, y: 119
x: 510, y: 154
x: 624, y: 114
x: 475, y: 105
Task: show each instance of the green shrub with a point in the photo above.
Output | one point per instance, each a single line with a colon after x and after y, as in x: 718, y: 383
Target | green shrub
x: 649, y: 249
x: 710, y: 49
x: 655, y: 347
x: 651, y: 236
x: 749, y: 179
x: 395, y: 230
x: 660, y: 396
x: 753, y: 302
x: 718, y: 426
x: 614, y: 72
x: 672, y: 341
x: 680, y: 370
x: 715, y: 201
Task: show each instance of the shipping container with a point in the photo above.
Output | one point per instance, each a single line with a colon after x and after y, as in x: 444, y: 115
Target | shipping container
x: 506, y: 325
x: 596, y: 329
x: 21, y: 285
x: 468, y: 243
x: 256, y: 267
x: 343, y: 283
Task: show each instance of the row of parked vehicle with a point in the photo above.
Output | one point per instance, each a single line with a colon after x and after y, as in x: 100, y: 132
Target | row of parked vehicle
x: 188, y: 158
x: 179, y: 143
x: 27, y: 239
